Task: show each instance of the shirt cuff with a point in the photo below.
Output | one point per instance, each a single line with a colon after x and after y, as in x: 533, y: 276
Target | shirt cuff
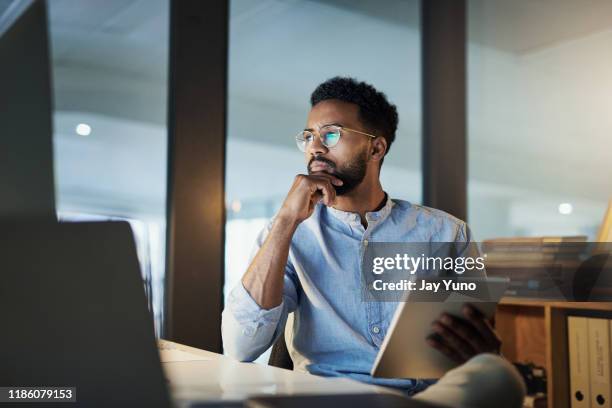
x: 249, y: 314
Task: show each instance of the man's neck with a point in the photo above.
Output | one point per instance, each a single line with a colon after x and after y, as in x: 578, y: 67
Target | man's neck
x: 364, y: 198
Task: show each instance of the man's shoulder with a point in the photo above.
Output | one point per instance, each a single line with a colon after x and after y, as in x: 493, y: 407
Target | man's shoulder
x: 422, y: 212
x: 436, y: 223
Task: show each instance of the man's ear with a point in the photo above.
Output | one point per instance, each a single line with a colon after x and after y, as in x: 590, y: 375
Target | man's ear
x: 379, y: 148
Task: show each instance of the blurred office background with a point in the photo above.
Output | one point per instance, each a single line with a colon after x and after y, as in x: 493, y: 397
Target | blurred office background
x: 539, y: 128
x: 539, y: 97
x: 110, y: 70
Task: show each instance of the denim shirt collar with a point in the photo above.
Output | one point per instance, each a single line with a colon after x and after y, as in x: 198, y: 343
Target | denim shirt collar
x: 371, y: 217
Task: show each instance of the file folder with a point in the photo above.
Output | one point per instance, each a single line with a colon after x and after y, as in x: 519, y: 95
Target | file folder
x: 599, y: 362
x: 578, y: 342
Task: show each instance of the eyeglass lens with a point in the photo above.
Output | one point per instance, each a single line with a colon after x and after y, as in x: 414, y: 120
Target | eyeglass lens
x: 330, y: 135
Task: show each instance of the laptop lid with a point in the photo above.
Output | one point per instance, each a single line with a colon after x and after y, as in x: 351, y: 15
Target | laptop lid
x: 74, y: 313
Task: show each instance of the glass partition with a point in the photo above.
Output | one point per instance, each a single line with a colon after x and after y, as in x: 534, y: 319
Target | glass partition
x: 110, y: 138
x: 540, y: 91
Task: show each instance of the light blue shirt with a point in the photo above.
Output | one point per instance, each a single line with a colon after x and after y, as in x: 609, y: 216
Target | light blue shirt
x: 334, y: 332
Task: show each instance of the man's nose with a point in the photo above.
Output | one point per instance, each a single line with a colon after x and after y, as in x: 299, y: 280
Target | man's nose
x: 316, y: 147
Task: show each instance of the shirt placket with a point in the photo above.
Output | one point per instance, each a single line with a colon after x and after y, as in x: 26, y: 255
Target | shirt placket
x: 373, y: 309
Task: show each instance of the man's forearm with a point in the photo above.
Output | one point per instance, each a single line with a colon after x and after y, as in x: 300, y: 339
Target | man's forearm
x: 264, y: 277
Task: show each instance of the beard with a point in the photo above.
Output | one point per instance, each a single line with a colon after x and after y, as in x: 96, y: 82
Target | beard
x: 351, y: 174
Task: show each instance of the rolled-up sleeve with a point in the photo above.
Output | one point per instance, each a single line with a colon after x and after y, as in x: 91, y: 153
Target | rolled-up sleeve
x: 248, y: 329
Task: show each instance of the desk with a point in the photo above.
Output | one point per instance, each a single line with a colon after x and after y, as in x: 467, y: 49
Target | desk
x: 195, y: 374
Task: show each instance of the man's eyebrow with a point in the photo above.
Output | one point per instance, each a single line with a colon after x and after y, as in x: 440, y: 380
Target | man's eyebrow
x: 327, y: 124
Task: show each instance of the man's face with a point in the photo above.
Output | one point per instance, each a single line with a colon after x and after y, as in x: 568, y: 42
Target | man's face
x: 348, y: 159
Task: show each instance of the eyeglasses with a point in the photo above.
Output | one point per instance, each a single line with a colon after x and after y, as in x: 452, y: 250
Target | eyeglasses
x: 329, y: 136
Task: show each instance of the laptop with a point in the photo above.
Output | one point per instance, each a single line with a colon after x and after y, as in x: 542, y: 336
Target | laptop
x: 74, y: 314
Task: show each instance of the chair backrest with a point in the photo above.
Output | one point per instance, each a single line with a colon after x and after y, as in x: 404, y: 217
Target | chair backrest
x: 279, y: 357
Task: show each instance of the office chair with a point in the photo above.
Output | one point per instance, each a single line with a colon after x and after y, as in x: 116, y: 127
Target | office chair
x: 279, y: 357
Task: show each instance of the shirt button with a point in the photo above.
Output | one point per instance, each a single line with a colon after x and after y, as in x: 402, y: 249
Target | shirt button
x: 375, y: 329
x: 365, y: 242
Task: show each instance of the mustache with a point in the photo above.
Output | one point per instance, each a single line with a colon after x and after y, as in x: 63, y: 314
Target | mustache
x: 330, y: 163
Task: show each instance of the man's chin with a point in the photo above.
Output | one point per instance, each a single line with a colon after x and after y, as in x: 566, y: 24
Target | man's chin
x: 344, y: 189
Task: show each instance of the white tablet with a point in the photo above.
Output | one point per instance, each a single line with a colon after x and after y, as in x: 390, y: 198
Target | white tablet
x: 405, y: 352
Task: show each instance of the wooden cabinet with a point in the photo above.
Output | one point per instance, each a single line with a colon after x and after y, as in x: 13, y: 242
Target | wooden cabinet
x: 534, y: 330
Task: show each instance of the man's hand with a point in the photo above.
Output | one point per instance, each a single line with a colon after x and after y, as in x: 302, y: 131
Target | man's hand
x: 306, y: 192
x: 462, y: 338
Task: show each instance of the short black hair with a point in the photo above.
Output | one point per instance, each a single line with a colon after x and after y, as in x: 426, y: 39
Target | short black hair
x: 375, y: 111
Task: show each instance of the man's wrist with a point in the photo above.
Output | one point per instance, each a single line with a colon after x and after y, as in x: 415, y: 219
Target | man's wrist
x: 286, y: 222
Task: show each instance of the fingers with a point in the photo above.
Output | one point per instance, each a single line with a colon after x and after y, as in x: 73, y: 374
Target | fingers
x: 307, y: 190
x: 305, y: 193
x: 438, y: 343
x: 460, y: 338
x: 483, y: 326
x: 324, y: 186
x: 328, y: 193
x: 454, y: 341
x: 333, y: 179
x: 465, y: 330
x: 315, y: 198
x: 322, y: 190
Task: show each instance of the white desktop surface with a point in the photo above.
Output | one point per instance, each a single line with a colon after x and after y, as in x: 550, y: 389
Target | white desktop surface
x: 195, y: 374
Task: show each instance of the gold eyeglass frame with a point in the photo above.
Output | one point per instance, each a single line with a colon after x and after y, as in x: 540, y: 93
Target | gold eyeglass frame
x: 299, y: 137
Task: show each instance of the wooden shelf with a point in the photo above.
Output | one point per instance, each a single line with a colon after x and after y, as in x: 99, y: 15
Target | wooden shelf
x: 535, y: 330
x: 516, y: 301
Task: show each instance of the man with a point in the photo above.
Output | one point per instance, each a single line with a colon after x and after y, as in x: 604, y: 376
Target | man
x: 308, y: 258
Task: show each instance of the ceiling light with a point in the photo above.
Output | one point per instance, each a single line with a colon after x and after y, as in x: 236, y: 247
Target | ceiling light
x: 565, y: 208
x: 83, y: 129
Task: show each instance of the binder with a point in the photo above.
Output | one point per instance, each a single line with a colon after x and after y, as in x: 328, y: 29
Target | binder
x: 578, y: 342
x: 599, y: 362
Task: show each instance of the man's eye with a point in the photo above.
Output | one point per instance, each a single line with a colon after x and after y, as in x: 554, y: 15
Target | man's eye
x: 332, y: 137
x: 308, y: 137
